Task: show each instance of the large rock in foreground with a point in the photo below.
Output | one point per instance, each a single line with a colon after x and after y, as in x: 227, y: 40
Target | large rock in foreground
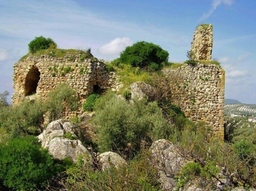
x: 167, y: 158
x: 58, y: 128
x: 61, y: 148
x: 108, y: 159
x: 57, y: 139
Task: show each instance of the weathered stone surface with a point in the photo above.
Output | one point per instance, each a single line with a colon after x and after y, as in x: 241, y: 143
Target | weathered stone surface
x: 56, y: 128
x: 39, y: 75
x: 192, y: 187
x: 200, y: 95
x: 201, y: 47
x: 53, y: 138
x: 108, y: 159
x: 168, y: 160
x: 141, y: 90
x: 61, y: 148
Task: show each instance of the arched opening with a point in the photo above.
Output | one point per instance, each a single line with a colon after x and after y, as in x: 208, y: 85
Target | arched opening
x: 31, y: 82
x: 97, y: 89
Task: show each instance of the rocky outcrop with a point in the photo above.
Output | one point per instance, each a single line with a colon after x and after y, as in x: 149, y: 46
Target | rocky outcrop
x: 201, y: 47
x: 57, y: 139
x: 108, y: 159
x: 61, y: 148
x: 58, y: 128
x: 141, y: 90
x: 168, y: 160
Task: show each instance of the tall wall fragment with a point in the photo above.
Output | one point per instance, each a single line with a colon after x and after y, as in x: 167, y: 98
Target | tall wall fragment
x: 201, y: 46
x: 200, y: 94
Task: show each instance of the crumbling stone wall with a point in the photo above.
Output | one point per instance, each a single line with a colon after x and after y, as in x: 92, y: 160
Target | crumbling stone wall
x: 201, y: 46
x: 200, y: 94
x: 37, y: 76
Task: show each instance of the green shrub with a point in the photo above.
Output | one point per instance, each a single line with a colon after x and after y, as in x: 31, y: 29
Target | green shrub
x: 193, y: 170
x: 40, y: 43
x: 244, y: 149
x: 3, y: 99
x: 60, y: 99
x: 24, y: 165
x: 127, y: 94
x: 191, y: 62
x: 145, y: 55
x: 110, y: 68
x: 123, y: 126
x: 25, y: 118
x: 137, y: 175
x: 90, y: 101
x: 188, y: 171
x: 69, y: 135
x: 212, y: 154
x: 129, y: 74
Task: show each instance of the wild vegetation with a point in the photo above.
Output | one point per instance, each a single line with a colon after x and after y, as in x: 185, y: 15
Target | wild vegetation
x: 46, y: 46
x: 41, y: 43
x: 144, y: 55
x: 125, y: 126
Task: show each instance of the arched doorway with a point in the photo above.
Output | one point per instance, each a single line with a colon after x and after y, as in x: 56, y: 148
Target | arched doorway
x: 31, y: 82
x: 97, y: 89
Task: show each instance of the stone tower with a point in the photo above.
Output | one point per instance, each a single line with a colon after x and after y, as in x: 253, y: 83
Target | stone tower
x: 201, y: 46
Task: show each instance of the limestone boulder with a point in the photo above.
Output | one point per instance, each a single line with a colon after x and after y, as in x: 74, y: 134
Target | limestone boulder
x: 108, y: 159
x: 58, y: 128
x: 141, y: 90
x: 57, y: 139
x: 61, y: 148
x: 168, y: 160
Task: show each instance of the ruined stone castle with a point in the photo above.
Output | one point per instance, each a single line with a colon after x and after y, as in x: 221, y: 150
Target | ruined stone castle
x: 38, y: 75
x: 202, y: 97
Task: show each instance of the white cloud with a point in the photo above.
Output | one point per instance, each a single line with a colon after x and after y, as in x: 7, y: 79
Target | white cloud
x: 3, y: 55
x: 214, y: 6
x: 244, y: 56
x: 237, y: 73
x: 232, y: 72
x: 115, y: 46
x: 224, y: 60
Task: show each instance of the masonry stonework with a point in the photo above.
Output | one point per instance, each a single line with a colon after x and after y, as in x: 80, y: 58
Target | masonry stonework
x: 201, y: 46
x: 37, y: 76
x: 200, y: 94
x: 199, y: 91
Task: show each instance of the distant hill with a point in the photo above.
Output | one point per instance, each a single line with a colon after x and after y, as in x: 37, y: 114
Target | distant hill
x: 240, y: 109
x: 232, y: 101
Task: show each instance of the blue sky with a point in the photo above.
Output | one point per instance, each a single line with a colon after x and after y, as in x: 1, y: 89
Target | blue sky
x: 108, y: 26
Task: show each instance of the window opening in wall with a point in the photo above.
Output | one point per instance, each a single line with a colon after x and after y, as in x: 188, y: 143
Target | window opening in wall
x: 97, y: 89
x: 31, y: 82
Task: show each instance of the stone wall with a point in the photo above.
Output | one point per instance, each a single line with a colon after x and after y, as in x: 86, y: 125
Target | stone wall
x: 37, y: 76
x: 201, y: 46
x: 200, y: 93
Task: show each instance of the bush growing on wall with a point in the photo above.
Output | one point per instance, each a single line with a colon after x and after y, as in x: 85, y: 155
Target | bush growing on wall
x: 40, y: 43
x: 61, y: 98
x: 145, y: 55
